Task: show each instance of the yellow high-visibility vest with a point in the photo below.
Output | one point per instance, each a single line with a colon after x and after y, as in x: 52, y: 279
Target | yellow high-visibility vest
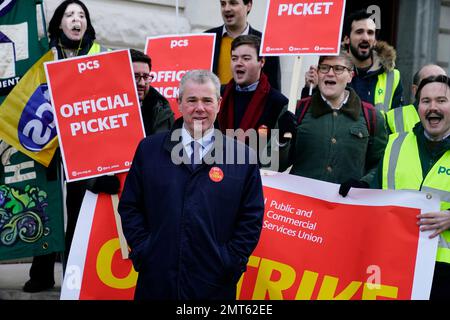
x: 402, y: 170
x: 97, y: 48
x: 384, y: 91
x: 402, y: 119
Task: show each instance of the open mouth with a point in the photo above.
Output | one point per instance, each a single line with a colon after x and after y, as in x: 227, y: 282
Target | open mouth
x: 434, y: 118
x: 364, y: 46
x: 229, y: 17
x: 329, y: 83
x: 76, y: 29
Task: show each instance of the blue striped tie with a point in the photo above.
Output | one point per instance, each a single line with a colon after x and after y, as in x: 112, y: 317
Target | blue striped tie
x: 195, y: 155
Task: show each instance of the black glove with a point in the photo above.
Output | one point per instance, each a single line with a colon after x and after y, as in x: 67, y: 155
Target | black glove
x: 287, y: 123
x: 351, y: 183
x: 106, y: 184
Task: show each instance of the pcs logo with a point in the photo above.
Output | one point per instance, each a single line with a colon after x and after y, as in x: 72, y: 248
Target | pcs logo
x: 36, y: 125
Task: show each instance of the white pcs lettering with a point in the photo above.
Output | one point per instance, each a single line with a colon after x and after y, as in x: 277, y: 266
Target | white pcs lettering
x: 304, y: 9
x: 179, y: 43
x: 89, y: 65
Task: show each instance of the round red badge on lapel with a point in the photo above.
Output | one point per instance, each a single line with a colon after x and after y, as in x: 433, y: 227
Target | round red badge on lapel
x: 216, y: 174
x: 263, y: 130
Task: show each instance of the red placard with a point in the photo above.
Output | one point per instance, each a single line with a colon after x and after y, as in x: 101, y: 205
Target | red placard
x: 174, y: 55
x: 304, y: 27
x: 97, y: 113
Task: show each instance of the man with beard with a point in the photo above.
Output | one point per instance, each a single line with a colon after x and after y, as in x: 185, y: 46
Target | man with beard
x: 376, y: 80
x: 420, y: 160
x: 234, y: 15
x: 156, y: 113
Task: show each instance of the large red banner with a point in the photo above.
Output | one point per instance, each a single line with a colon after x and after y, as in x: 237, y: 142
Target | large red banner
x: 174, y: 55
x: 314, y: 245
x: 97, y: 113
x: 304, y: 27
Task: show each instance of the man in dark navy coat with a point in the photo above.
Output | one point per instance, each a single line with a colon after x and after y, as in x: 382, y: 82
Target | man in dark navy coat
x: 191, y: 213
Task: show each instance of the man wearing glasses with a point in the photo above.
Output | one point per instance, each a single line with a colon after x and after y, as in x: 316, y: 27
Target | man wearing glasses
x: 336, y: 137
x: 156, y: 112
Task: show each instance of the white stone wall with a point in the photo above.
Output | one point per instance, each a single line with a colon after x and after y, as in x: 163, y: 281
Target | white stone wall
x: 443, y: 54
x: 127, y: 23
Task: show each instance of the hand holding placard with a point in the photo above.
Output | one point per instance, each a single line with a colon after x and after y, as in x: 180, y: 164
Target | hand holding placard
x: 311, y: 78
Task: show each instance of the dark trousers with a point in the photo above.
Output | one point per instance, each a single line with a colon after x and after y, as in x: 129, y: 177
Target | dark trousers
x: 43, y: 268
x: 75, y: 195
x: 440, y: 289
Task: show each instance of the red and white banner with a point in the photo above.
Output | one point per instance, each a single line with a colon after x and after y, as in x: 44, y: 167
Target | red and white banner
x: 97, y: 113
x: 95, y: 268
x: 307, y: 27
x: 314, y: 244
x: 174, y: 55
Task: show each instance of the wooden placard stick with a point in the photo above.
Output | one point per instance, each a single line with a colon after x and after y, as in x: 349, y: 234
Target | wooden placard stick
x: 122, y: 240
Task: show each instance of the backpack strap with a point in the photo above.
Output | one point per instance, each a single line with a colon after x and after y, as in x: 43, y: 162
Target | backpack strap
x: 369, y: 112
x: 370, y: 115
x: 302, y: 107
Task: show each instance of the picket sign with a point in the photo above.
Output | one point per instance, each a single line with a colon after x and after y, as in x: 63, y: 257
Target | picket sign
x: 295, y: 84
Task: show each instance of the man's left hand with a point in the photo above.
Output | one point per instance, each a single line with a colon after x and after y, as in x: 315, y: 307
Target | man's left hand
x: 435, y: 221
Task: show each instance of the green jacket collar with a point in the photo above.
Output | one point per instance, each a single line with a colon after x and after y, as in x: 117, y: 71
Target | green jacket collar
x: 352, y: 108
x: 435, y: 149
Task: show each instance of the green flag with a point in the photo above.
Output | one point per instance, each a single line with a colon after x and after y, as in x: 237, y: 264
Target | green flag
x: 20, y: 46
x: 31, y: 214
